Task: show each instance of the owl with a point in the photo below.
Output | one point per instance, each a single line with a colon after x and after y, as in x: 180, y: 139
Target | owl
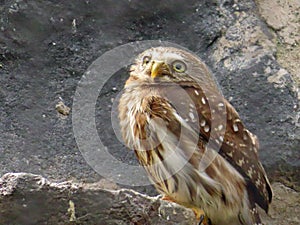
x: 190, y: 140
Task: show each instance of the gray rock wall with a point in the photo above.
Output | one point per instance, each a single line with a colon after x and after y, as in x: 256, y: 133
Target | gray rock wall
x: 46, y: 46
x: 31, y: 199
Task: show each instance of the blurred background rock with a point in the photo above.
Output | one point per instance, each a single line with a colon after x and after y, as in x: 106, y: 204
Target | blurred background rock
x: 252, y: 47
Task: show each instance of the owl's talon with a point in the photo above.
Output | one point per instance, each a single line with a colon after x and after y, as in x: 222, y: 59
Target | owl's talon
x: 201, y: 220
x: 200, y: 216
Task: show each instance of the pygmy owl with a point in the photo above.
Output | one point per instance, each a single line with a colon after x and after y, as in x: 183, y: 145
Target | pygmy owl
x: 190, y: 140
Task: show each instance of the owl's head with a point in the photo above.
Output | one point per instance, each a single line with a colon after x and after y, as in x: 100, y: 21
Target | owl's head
x: 169, y: 64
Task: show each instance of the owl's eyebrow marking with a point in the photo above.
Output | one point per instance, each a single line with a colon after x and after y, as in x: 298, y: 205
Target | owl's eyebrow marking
x: 167, y: 55
x: 174, y: 56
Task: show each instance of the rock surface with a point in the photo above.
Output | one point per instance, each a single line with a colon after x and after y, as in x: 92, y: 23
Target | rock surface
x: 285, y: 24
x: 46, y: 47
x: 31, y: 199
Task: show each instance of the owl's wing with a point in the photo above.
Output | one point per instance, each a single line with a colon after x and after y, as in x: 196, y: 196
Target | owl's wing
x: 235, y: 143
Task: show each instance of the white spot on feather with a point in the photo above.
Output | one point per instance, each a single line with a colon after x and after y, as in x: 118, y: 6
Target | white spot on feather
x: 220, y: 104
x: 191, y: 115
x: 220, y: 127
x: 258, y: 182
x: 206, y: 128
x: 235, y: 127
x: 250, y: 172
x: 245, y: 138
x: 202, y: 123
x: 241, y: 162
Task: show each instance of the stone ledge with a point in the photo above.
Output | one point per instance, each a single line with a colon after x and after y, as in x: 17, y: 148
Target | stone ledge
x: 31, y: 199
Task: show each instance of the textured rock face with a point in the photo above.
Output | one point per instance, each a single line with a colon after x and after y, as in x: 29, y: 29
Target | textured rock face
x: 31, y: 199
x: 46, y: 46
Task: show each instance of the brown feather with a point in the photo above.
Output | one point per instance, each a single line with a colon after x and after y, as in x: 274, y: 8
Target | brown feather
x: 239, y: 147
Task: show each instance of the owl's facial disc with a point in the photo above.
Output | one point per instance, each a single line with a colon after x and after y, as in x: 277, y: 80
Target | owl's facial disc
x: 160, y: 66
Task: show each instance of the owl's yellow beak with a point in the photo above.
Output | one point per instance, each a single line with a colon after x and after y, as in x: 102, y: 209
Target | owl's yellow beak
x: 159, y: 68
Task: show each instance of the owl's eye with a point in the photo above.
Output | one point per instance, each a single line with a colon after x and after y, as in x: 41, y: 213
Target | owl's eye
x: 179, y: 66
x: 146, y: 60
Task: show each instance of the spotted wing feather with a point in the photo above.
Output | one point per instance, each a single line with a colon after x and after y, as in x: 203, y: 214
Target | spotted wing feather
x: 235, y: 143
x: 239, y: 146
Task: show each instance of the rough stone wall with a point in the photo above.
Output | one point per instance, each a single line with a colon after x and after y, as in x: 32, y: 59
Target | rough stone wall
x: 31, y: 199
x: 46, y: 46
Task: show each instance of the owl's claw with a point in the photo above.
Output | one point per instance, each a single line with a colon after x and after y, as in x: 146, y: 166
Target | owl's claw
x: 200, y: 216
x: 201, y: 220
x: 204, y: 220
